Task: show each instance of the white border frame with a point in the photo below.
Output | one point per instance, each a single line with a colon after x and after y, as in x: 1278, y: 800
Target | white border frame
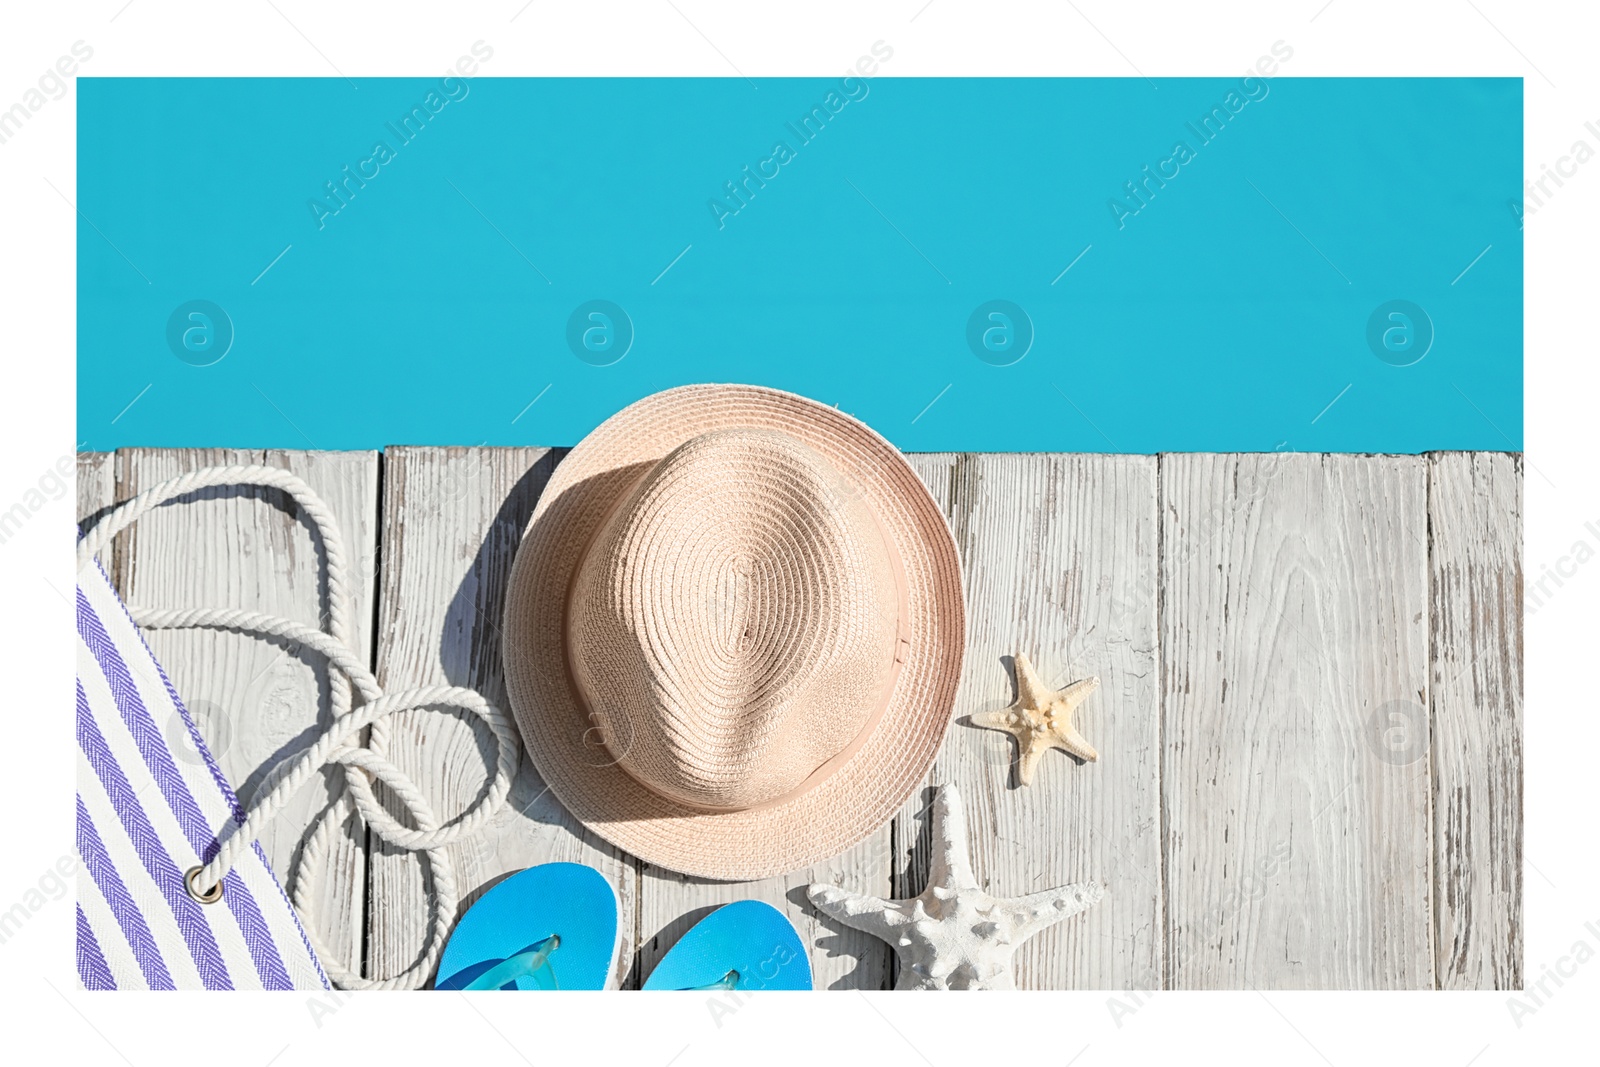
x: 941, y: 37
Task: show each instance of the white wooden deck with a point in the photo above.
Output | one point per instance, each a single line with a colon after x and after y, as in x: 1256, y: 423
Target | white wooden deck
x: 1310, y: 721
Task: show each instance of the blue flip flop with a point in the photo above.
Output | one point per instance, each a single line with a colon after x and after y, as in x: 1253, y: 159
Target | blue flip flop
x: 549, y: 927
x: 745, y: 945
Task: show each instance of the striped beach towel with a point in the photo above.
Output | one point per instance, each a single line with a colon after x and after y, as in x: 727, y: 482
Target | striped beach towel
x: 146, y: 817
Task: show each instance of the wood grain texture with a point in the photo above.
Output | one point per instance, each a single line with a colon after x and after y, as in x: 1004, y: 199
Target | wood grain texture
x: 1475, y: 565
x: 1295, y: 658
x: 96, y: 491
x: 452, y: 520
x: 258, y: 701
x: 1059, y: 560
x: 1309, y: 720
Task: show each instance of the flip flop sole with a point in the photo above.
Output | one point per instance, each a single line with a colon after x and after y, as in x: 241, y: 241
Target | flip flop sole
x: 549, y: 927
x: 747, y: 939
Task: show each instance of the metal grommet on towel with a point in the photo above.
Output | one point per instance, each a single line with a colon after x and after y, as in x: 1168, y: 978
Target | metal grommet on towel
x: 210, y: 896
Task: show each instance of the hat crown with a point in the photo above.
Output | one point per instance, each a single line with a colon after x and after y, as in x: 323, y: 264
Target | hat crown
x: 733, y: 627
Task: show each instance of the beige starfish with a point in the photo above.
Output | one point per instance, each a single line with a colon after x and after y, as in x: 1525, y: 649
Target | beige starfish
x: 1041, y: 719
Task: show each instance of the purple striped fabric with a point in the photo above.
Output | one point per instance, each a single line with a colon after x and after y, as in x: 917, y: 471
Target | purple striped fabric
x: 166, y: 874
x: 225, y: 789
x: 129, y: 919
x: 158, y: 758
x: 143, y: 819
x: 91, y: 962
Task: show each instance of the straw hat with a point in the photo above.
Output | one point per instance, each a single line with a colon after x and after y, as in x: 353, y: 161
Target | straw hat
x: 734, y: 631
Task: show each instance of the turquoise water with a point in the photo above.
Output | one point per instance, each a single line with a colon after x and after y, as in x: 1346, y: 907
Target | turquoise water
x: 956, y: 261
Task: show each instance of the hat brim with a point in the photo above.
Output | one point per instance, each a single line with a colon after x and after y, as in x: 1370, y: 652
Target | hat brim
x: 858, y: 797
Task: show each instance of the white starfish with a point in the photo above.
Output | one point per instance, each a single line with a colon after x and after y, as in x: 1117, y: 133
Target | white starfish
x: 954, y: 935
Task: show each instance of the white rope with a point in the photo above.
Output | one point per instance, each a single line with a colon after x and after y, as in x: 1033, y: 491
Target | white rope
x: 340, y: 743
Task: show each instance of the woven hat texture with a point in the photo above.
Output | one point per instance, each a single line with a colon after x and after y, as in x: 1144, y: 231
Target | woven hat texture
x: 734, y: 631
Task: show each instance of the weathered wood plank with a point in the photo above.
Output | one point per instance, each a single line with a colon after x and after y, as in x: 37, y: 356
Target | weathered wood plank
x: 1295, y: 666
x: 1059, y: 555
x: 97, y: 490
x: 258, y: 701
x: 452, y: 519
x: 1295, y: 680
x: 1475, y: 564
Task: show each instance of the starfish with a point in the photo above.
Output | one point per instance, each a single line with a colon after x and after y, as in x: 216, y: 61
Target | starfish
x: 1041, y: 719
x: 954, y: 935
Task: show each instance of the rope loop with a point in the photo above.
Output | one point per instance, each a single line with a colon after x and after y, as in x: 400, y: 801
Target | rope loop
x: 340, y: 744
